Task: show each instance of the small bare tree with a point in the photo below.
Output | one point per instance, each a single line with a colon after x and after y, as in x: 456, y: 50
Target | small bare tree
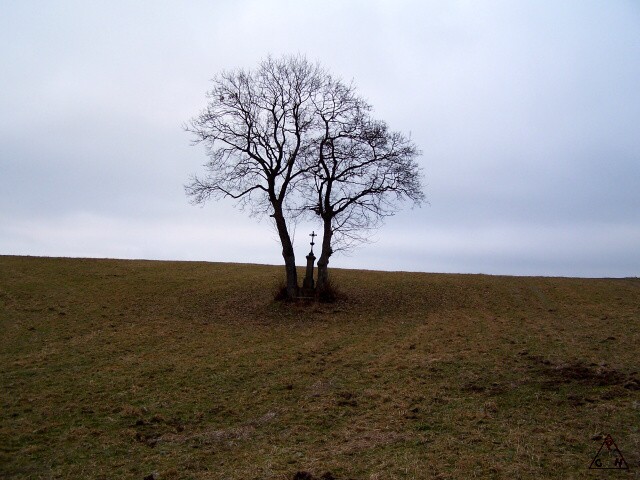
x: 257, y: 128
x: 359, y: 172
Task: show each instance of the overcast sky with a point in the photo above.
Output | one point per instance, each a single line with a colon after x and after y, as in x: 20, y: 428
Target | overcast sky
x: 527, y: 113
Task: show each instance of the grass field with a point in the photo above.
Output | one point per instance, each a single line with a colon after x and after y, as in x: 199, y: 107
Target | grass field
x: 124, y: 369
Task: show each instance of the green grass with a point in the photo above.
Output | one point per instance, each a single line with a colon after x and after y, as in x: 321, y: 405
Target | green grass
x: 117, y: 369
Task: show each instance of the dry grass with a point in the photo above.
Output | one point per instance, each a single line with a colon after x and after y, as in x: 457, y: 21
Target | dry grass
x: 117, y: 369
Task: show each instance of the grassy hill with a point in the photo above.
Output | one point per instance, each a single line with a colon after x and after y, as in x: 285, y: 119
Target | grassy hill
x: 119, y: 369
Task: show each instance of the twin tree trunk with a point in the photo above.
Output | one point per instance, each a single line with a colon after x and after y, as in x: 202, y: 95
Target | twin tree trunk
x: 290, y: 260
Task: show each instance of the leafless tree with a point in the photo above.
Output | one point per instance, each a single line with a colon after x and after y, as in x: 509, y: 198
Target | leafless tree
x: 359, y: 172
x: 257, y: 128
x: 287, y: 139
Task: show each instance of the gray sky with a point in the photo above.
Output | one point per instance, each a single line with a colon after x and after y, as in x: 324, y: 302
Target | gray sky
x: 528, y: 114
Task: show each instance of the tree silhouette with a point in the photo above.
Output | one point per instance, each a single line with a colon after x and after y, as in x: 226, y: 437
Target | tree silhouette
x: 287, y: 139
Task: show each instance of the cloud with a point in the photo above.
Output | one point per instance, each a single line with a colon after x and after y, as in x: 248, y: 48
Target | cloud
x: 526, y: 113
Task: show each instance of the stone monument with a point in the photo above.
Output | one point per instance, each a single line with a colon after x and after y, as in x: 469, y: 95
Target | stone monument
x: 308, y: 283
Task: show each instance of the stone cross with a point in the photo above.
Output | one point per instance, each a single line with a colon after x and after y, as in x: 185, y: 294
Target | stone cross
x: 312, y: 235
x: 308, y: 279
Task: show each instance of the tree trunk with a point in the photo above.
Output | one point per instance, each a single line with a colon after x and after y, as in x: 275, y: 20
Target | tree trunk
x: 287, y: 254
x: 323, y: 261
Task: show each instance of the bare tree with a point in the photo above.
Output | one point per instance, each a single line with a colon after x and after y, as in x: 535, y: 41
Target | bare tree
x: 359, y: 172
x: 257, y: 128
x: 287, y: 138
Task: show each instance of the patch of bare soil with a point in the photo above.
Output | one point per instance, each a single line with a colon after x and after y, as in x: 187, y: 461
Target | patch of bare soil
x: 482, y: 386
x: 152, y: 433
x: 592, y: 374
x: 302, y: 475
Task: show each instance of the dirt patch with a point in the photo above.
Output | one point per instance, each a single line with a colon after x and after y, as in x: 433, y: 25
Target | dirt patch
x: 580, y: 372
x: 302, y: 475
x: 346, y: 399
x: 486, y: 387
x: 209, y: 436
x: 150, y: 430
